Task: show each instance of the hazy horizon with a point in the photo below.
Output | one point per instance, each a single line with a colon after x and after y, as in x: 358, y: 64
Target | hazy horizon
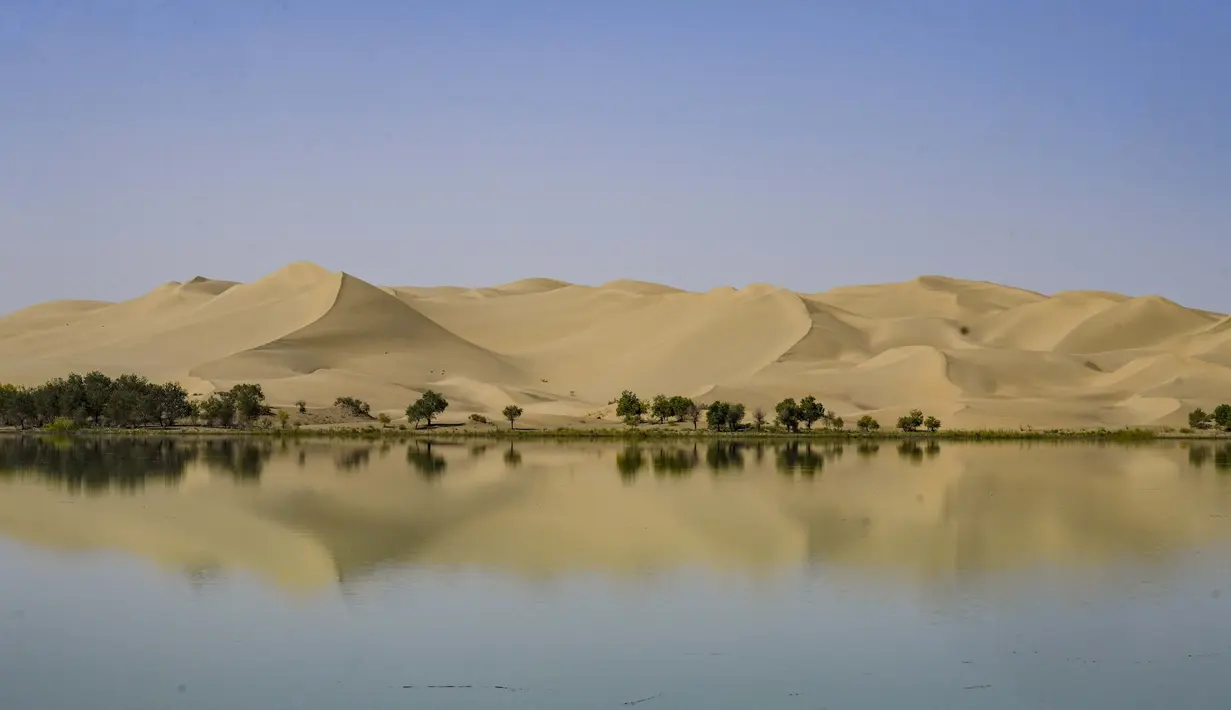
x: 1047, y: 147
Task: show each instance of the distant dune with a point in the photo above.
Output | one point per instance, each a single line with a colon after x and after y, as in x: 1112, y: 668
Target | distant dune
x: 976, y: 354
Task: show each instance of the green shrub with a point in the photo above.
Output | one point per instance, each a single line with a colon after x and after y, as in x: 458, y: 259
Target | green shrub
x: 62, y: 424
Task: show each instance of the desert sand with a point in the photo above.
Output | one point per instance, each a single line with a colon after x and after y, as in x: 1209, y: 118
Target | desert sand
x: 975, y: 354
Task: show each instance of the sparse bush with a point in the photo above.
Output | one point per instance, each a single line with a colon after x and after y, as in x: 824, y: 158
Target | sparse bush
x: 512, y: 413
x: 478, y: 419
x: 384, y: 419
x: 758, y: 418
x: 911, y: 421
x: 302, y: 405
x: 283, y: 418
x: 357, y: 407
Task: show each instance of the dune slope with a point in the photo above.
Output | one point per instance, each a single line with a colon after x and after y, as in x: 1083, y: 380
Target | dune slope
x: 974, y: 353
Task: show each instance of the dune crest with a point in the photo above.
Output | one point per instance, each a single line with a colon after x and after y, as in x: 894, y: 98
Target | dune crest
x: 974, y: 353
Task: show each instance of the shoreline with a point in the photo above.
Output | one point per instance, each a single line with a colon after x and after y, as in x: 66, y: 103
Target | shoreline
x: 456, y: 431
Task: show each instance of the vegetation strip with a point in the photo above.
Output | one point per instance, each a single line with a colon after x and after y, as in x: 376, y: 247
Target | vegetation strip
x: 98, y: 402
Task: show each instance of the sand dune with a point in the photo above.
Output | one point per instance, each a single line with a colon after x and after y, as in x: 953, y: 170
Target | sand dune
x: 974, y: 353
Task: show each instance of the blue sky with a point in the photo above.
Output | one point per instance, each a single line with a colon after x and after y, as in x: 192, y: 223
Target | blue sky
x: 1048, y: 145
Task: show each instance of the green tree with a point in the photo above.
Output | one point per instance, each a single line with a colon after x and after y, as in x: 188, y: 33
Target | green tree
x: 283, y: 418
x: 512, y: 413
x: 97, y: 392
x: 911, y: 421
x: 660, y: 408
x: 249, y: 401
x: 716, y: 415
x: 835, y: 421
x: 124, y: 407
x: 735, y: 415
x: 867, y: 424
x: 1198, y: 419
x: 430, y: 405
x: 218, y: 409
x: 681, y: 407
x: 931, y: 423
x: 629, y: 408
x: 172, y: 401
x: 788, y: 414
x: 1222, y: 416
x: 810, y: 410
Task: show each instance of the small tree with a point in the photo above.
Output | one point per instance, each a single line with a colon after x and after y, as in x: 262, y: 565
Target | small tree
x: 931, y: 423
x: 303, y: 406
x: 788, y: 414
x: 758, y: 418
x: 384, y: 419
x: 681, y: 407
x: 810, y: 410
x: 716, y: 415
x: 835, y: 422
x: 512, y: 413
x: 693, y: 414
x: 249, y: 401
x: 283, y: 418
x: 911, y: 421
x: 1222, y: 416
x: 429, y: 405
x: 629, y: 408
x: 735, y: 415
x: 1198, y: 419
x: 660, y: 408
x: 357, y: 407
x: 867, y: 424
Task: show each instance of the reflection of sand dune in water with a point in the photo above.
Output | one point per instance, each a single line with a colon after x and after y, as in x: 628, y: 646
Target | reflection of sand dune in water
x: 618, y: 510
x: 975, y: 354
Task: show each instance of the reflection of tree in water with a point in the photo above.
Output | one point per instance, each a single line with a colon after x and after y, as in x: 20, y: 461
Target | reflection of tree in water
x: 724, y: 456
x: 1200, y: 454
x: 675, y: 462
x: 911, y: 450
x: 478, y: 450
x: 97, y: 464
x: 428, y: 463
x: 512, y: 457
x: 795, y: 457
x: 867, y: 449
x: 352, y: 459
x: 244, y: 460
x: 629, y: 462
x: 932, y: 449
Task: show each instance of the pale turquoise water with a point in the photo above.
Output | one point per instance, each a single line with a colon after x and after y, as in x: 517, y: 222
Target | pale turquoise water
x: 588, y: 576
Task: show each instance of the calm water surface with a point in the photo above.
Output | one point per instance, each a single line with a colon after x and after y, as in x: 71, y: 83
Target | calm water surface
x: 147, y: 574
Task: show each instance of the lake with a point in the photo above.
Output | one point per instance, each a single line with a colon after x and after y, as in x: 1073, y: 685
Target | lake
x: 153, y: 573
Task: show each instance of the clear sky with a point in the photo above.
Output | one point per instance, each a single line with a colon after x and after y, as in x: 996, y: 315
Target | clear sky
x: 1045, y: 144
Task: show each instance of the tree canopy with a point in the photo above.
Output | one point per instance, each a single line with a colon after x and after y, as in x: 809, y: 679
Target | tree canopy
x: 430, y: 405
